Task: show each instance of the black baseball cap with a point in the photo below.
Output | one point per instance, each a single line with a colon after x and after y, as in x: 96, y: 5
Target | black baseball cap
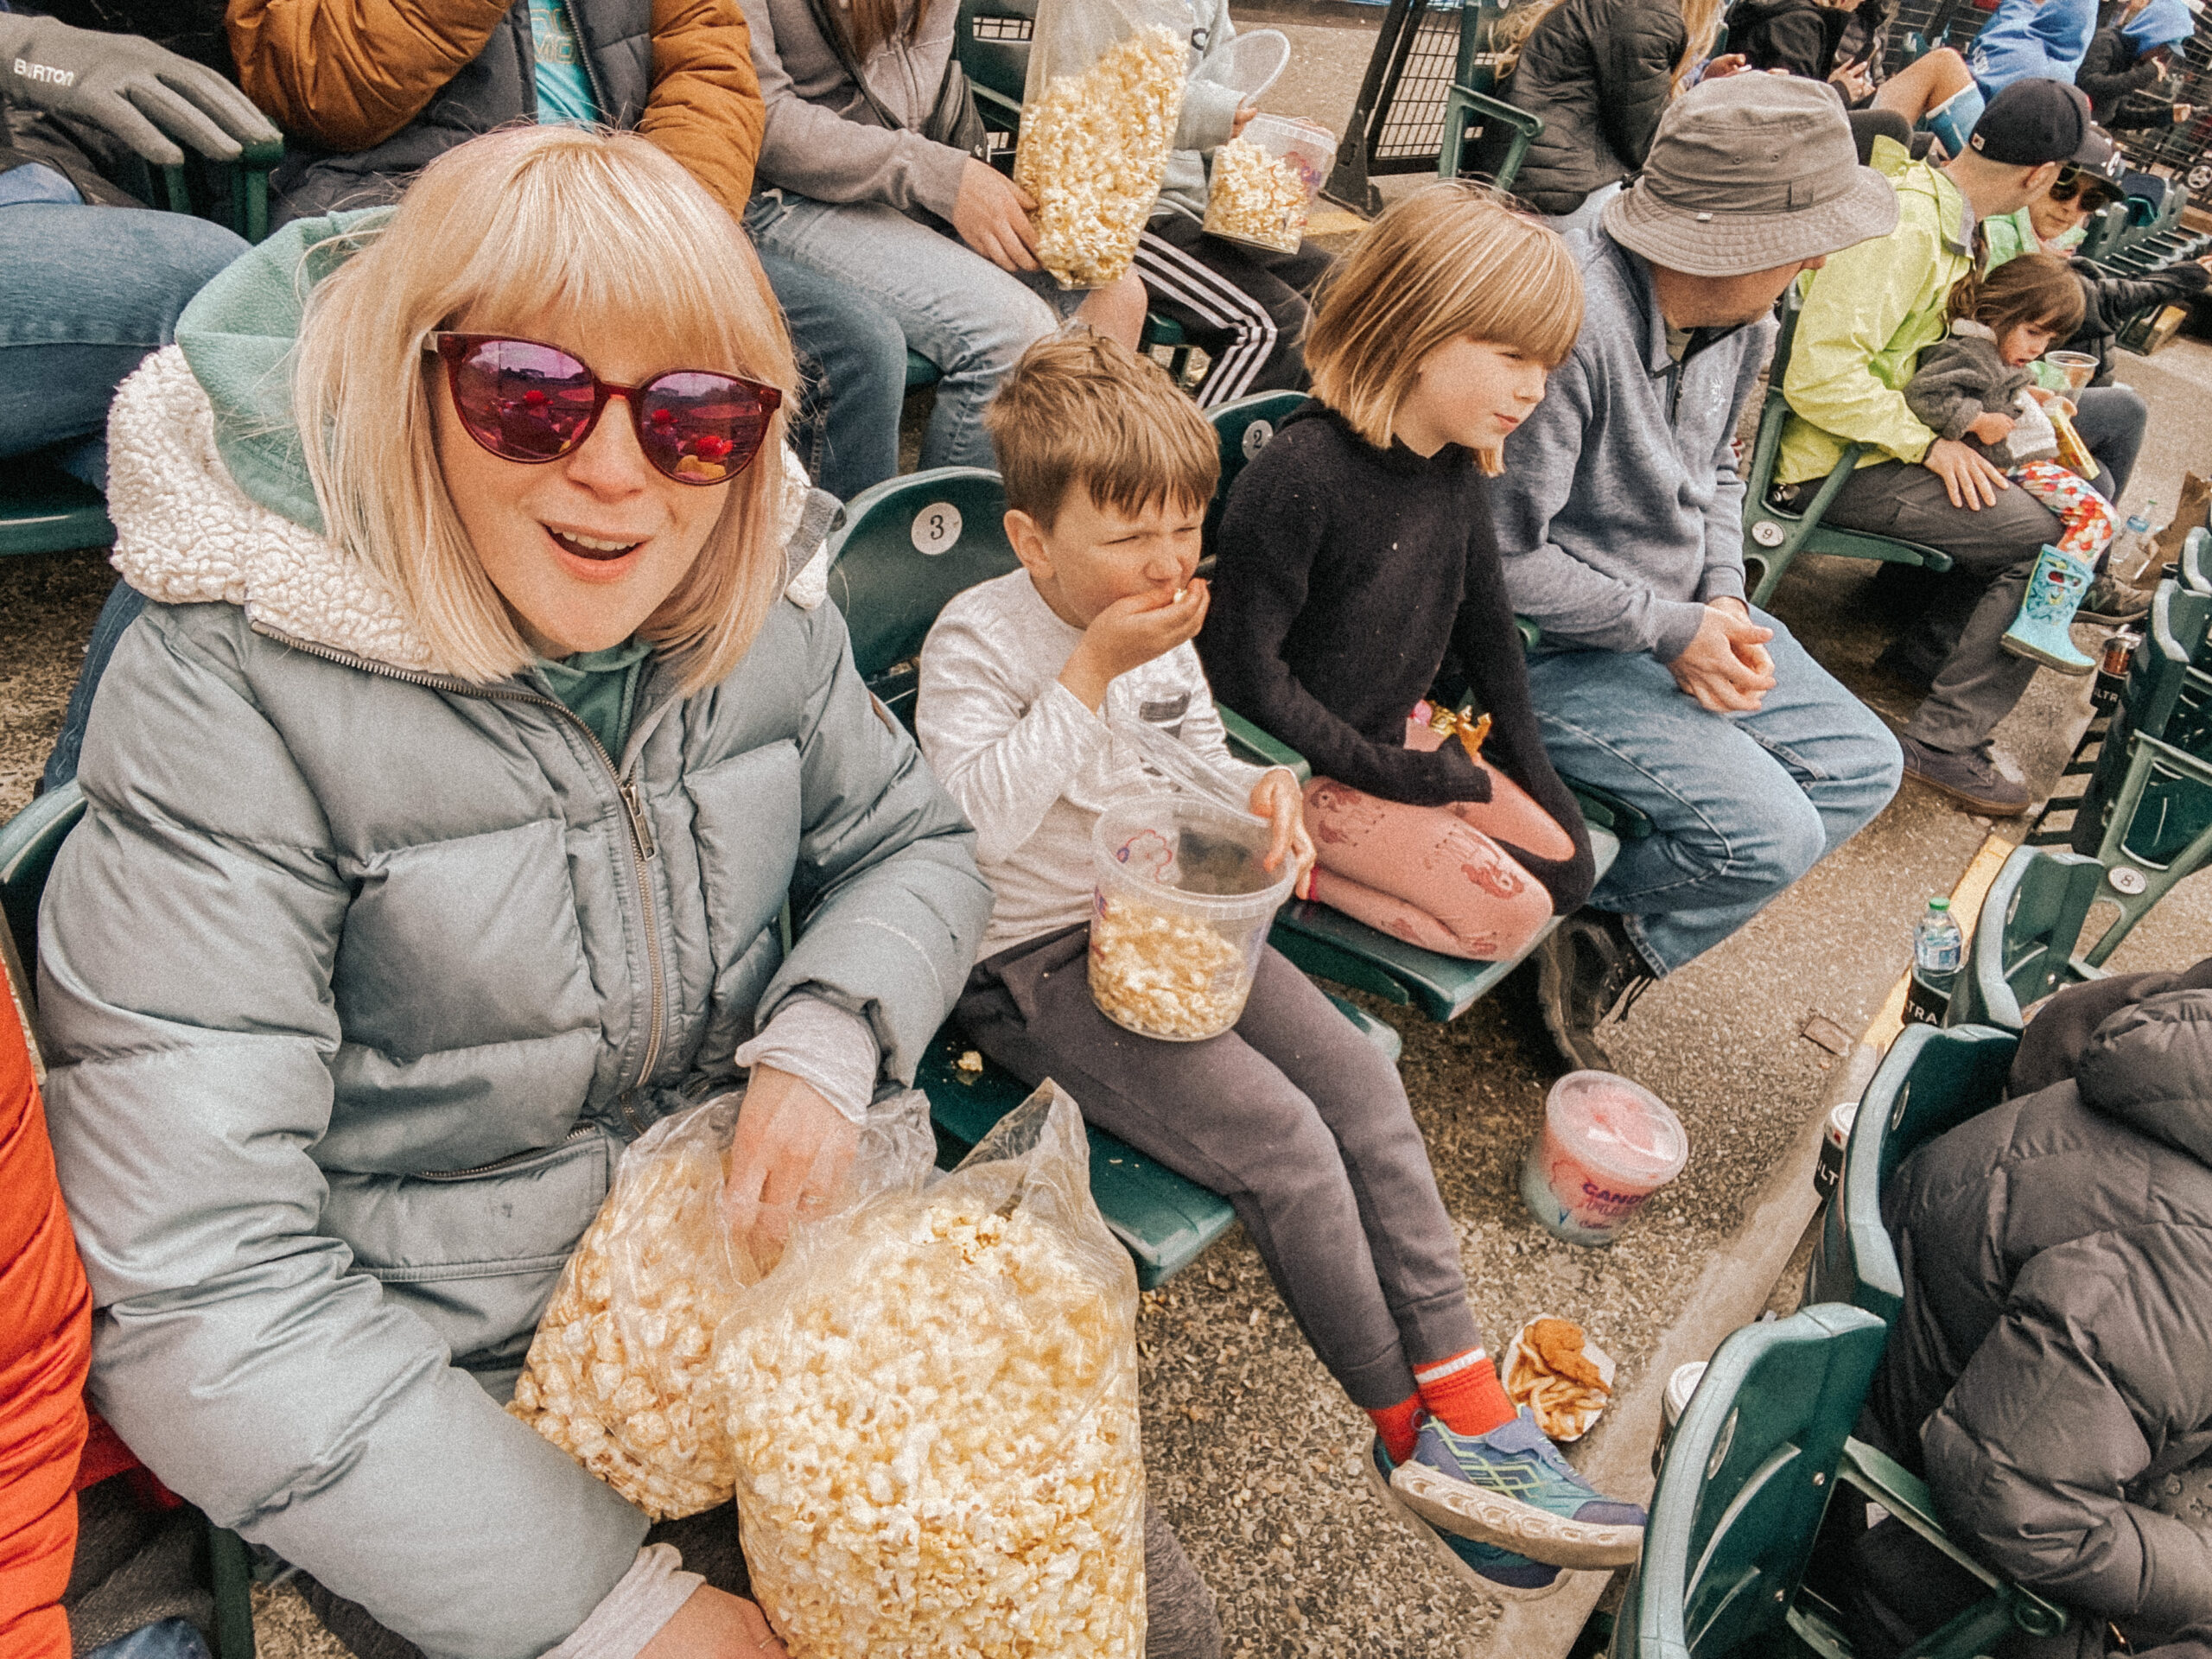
x: 2032, y: 122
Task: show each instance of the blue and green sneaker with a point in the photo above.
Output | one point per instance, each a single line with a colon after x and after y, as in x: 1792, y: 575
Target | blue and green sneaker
x: 1511, y: 1487
x: 1484, y: 1566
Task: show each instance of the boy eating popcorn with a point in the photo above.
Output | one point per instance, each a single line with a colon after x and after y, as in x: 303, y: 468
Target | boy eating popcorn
x: 1291, y: 1114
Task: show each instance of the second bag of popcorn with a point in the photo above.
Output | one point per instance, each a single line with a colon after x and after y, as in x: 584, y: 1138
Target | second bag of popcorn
x: 1098, y: 113
x: 932, y: 1401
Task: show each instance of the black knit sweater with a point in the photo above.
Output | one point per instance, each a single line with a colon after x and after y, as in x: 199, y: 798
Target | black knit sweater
x: 1346, y: 574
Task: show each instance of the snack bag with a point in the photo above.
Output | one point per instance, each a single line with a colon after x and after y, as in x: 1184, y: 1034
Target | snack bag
x: 1098, y: 111
x: 618, y: 1374
x: 933, y: 1404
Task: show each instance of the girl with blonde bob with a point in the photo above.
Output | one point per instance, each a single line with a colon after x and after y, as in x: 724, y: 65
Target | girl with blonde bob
x: 1355, y: 566
x: 438, y: 811
x: 1355, y: 561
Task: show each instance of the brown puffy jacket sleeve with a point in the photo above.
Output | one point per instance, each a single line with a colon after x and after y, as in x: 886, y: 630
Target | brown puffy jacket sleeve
x: 347, y: 74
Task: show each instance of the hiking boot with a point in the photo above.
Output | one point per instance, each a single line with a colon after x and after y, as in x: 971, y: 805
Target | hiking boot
x: 1512, y: 1489
x: 1482, y: 1566
x: 1587, y: 970
x: 2115, y: 602
x: 2039, y: 634
x: 1971, y: 777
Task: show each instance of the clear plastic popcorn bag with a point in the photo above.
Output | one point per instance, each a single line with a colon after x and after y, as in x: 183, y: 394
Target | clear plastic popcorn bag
x: 1098, y: 114
x: 933, y: 1401
x: 619, y: 1374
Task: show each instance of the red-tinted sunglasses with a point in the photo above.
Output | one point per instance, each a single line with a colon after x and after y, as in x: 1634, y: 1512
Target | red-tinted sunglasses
x: 526, y: 401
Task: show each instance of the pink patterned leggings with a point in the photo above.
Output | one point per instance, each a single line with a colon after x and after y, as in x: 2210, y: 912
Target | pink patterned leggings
x: 2088, y: 517
x: 1431, y: 875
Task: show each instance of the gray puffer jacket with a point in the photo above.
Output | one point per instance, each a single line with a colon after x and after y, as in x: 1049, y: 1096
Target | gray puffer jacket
x: 2055, y: 1344
x: 358, y: 978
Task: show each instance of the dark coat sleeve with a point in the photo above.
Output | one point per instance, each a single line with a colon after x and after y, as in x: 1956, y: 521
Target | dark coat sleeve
x: 1275, y: 526
x: 1489, y: 652
x: 1796, y: 43
x: 2051, y: 1047
x: 2108, y: 74
x: 1635, y: 69
x: 2106, y: 1335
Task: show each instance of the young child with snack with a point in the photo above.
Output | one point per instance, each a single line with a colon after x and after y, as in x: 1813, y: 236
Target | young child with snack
x: 1292, y: 1114
x: 1978, y: 384
x: 1357, y: 561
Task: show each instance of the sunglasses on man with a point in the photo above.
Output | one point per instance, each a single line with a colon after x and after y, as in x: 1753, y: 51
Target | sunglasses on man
x: 2095, y: 192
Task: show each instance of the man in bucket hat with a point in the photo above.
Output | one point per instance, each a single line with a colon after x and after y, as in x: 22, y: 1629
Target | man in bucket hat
x: 1866, y: 319
x: 1620, y: 518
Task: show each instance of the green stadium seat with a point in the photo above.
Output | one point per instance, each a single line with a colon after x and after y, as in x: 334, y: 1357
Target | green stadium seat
x: 2023, y: 945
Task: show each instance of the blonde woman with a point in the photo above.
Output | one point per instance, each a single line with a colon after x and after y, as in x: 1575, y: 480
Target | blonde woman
x: 439, y: 812
x: 1600, y: 73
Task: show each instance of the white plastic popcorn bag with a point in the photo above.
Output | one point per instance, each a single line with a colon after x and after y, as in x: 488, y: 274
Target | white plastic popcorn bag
x: 1098, y: 113
x: 932, y: 1401
x: 619, y: 1374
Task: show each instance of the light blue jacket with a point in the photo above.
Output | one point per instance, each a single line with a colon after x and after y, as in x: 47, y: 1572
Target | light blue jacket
x: 358, y: 978
x: 2024, y: 40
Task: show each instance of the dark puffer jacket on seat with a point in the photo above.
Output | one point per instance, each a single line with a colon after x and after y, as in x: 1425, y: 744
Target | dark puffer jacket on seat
x: 1599, y: 72
x: 2055, y: 1344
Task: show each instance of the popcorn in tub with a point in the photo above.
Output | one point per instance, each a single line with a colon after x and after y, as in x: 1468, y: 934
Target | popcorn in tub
x: 618, y: 1374
x: 933, y: 1403
x: 1163, y: 974
x: 1094, y: 147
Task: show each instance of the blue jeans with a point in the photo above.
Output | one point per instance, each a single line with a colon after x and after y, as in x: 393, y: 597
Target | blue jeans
x: 852, y: 361
x: 1741, y: 805
x: 172, y: 1638
x: 953, y: 306
x: 89, y: 292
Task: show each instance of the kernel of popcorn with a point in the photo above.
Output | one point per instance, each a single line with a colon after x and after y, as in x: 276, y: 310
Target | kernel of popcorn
x: 1162, y: 973
x: 1093, y: 150
x: 626, y: 1389
x: 936, y: 1441
x: 1257, y: 196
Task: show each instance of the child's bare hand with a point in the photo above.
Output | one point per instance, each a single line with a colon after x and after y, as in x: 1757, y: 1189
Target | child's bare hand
x: 1129, y: 634
x: 1991, y: 427
x: 1277, y: 797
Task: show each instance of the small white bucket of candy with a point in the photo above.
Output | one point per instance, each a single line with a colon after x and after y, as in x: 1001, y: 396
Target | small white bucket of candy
x: 1180, y: 910
x: 1264, y: 182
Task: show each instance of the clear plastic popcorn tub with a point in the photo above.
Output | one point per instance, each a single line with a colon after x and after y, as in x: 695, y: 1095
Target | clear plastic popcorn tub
x: 1180, y: 910
x: 1264, y: 182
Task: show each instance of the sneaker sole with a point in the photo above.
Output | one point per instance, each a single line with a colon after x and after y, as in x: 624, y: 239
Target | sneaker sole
x: 1440, y: 1551
x: 1994, y: 809
x: 1578, y: 1048
x: 1490, y: 1517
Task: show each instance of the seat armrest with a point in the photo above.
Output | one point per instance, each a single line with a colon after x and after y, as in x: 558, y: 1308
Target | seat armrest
x: 1249, y: 742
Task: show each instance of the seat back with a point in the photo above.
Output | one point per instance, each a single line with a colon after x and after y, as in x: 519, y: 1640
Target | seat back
x: 2105, y: 226
x: 1930, y: 1081
x: 991, y: 38
x: 906, y: 546
x: 1477, y: 69
x: 1747, y: 1480
x: 2023, y: 943
x: 28, y: 842
x: 1245, y: 428
x: 44, y: 510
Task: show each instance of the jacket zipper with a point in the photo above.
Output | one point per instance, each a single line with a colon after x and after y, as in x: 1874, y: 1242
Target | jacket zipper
x: 643, y: 847
x: 574, y: 1135
x: 583, y: 56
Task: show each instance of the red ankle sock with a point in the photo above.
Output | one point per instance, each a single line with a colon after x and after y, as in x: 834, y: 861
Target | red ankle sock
x: 1464, y: 1392
x: 1395, y: 1424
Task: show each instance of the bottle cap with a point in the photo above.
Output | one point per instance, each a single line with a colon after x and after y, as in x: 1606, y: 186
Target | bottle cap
x: 1939, y: 904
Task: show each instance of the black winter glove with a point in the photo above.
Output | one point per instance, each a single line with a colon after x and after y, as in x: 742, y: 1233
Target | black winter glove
x: 145, y: 95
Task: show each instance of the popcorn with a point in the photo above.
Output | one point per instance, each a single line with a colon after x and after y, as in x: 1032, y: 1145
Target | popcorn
x: 1094, y: 148
x: 619, y: 1374
x: 1164, y: 974
x: 1257, y: 196
x: 937, y: 1435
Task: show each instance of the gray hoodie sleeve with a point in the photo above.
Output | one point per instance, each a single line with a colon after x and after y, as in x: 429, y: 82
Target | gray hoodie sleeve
x: 808, y: 147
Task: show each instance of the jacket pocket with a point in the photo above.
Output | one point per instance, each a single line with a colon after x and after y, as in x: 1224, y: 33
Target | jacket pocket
x: 475, y: 1252
x: 745, y: 823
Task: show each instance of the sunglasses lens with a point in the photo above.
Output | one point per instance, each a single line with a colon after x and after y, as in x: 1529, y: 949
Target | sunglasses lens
x: 522, y: 400
x: 701, y: 427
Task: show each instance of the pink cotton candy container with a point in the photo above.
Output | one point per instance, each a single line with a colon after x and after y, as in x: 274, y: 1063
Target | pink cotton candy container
x: 1606, y: 1146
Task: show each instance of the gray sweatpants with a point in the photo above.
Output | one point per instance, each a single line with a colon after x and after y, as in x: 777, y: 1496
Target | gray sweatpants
x: 1291, y: 1115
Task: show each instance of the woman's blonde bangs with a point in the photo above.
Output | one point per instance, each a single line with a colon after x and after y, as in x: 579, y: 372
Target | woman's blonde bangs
x: 1452, y: 261
x: 573, y: 228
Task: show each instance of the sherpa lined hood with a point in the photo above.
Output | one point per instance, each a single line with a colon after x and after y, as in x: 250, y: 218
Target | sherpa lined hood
x: 207, y: 478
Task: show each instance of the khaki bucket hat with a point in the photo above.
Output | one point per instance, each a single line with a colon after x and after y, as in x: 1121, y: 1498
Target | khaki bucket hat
x: 1749, y: 172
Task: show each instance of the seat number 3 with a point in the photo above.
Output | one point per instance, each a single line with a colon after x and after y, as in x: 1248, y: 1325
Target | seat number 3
x: 936, y: 527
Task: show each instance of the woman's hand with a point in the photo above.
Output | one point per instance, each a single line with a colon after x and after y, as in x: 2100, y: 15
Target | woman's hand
x: 787, y: 1161
x: 992, y: 216
x: 1854, y: 80
x: 1729, y: 63
x: 1277, y: 798
x: 713, y: 1624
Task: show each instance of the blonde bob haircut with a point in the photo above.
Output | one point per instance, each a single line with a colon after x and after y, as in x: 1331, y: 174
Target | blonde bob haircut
x: 532, y: 228
x: 1451, y: 261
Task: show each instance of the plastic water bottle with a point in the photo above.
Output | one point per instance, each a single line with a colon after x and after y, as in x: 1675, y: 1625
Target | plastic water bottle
x: 2134, y: 547
x: 1938, y: 949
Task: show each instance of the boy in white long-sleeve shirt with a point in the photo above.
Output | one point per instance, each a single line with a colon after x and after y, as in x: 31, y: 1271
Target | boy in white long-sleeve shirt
x: 1291, y: 1115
